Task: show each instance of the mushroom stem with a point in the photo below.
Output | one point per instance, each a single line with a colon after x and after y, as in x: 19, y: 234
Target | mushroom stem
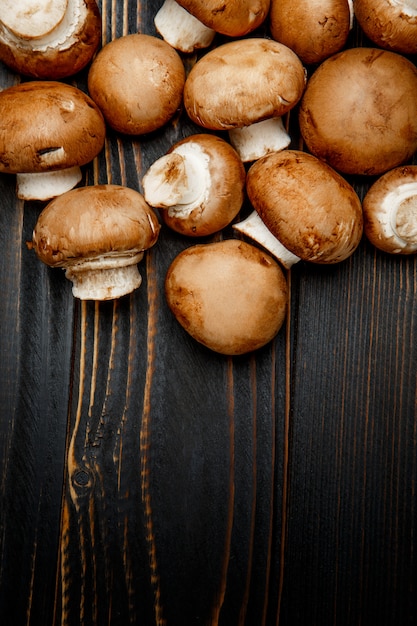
x: 398, y: 215
x: 32, y: 18
x: 178, y: 181
x: 46, y: 185
x: 90, y: 281
x: 409, y: 7
x: 260, y: 138
x: 254, y: 228
x: 180, y: 29
x: 40, y: 26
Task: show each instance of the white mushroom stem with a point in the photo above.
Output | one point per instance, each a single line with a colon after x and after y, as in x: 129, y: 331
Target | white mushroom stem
x: 409, y: 7
x: 180, y: 29
x: 351, y: 14
x: 254, y: 228
x: 105, y: 278
x: 46, y: 185
x: 179, y: 181
x: 42, y: 24
x: 397, y: 215
x: 254, y: 141
x: 32, y: 18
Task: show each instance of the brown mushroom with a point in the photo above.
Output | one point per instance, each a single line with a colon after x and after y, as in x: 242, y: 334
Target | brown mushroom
x: 234, y: 18
x: 98, y: 234
x: 314, y: 29
x: 390, y: 211
x: 308, y: 207
x: 245, y: 87
x: 199, y: 184
x: 228, y: 295
x: 192, y: 24
x: 137, y: 81
x: 48, y: 130
x: 359, y: 111
x: 390, y: 24
x: 49, y: 40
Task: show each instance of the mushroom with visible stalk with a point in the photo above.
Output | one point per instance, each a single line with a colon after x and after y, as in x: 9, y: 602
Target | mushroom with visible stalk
x: 235, y: 18
x: 98, y: 234
x: 359, y: 111
x: 48, y: 130
x: 229, y: 295
x: 325, y: 26
x: 310, y: 209
x: 137, y: 81
x: 390, y: 24
x: 49, y: 40
x: 180, y: 29
x: 199, y: 184
x: 245, y: 87
x: 390, y: 211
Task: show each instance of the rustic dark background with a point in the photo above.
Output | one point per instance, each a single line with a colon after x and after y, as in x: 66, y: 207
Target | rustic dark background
x: 146, y: 480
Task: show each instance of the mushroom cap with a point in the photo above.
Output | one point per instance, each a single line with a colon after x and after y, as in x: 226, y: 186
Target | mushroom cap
x: 390, y: 211
x: 48, y: 125
x: 311, y: 209
x: 359, y: 111
x: 234, y: 18
x: 390, y: 25
x: 325, y: 26
x: 242, y: 82
x: 137, y: 81
x: 228, y: 295
x: 59, y: 54
x: 224, y: 197
x: 98, y: 221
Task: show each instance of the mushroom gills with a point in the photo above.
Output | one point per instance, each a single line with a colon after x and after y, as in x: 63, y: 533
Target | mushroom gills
x: 105, y: 278
x: 180, y: 29
x: 254, y: 228
x: 178, y: 181
x: 46, y: 185
x: 398, y: 216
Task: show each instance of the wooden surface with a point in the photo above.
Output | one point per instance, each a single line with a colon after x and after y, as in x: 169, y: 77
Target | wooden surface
x: 148, y: 481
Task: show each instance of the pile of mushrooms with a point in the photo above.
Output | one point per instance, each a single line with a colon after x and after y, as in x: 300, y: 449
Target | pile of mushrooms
x: 270, y: 64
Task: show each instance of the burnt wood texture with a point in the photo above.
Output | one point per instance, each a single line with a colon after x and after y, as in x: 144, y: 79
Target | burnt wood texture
x: 148, y: 481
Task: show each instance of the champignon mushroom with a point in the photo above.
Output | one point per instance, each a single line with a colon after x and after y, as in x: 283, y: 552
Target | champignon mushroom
x: 48, y: 130
x: 314, y: 29
x: 49, y: 40
x: 234, y: 18
x: 180, y: 29
x: 359, y: 111
x: 137, y: 81
x: 390, y: 24
x: 308, y: 207
x: 98, y: 234
x: 229, y: 295
x: 390, y: 211
x: 199, y: 184
x: 245, y: 87
x: 191, y: 24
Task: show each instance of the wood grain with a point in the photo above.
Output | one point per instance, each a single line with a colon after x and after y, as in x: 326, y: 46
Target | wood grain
x: 148, y: 481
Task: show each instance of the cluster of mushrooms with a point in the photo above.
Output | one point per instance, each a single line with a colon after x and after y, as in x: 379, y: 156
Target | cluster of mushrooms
x: 357, y: 115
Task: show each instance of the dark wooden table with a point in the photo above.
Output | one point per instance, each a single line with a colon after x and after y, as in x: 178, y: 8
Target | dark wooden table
x: 146, y: 480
